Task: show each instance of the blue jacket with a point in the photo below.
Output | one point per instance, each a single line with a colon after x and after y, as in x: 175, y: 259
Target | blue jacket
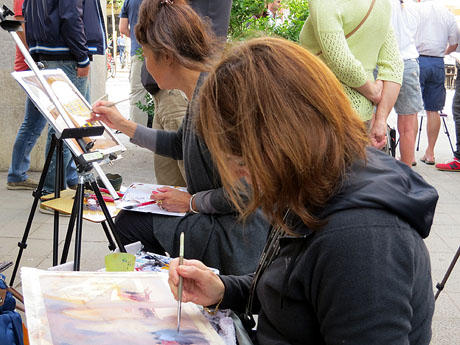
x: 70, y: 28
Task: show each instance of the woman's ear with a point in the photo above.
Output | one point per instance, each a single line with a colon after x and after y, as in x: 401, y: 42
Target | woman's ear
x: 168, y: 58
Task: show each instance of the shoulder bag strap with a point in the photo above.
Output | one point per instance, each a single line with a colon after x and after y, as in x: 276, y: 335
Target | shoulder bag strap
x: 358, y: 26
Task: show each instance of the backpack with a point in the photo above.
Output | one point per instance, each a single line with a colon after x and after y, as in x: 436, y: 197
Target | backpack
x: 10, y: 321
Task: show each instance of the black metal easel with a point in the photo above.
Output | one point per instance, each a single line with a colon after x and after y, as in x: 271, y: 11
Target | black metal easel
x: 440, y: 286
x: 85, y: 176
x: 85, y: 163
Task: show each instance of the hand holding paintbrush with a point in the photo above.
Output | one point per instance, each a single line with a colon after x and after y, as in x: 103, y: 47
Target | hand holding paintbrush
x: 192, y: 281
x: 106, y: 112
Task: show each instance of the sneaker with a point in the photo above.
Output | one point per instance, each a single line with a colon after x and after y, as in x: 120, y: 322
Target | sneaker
x: 28, y: 184
x: 453, y: 165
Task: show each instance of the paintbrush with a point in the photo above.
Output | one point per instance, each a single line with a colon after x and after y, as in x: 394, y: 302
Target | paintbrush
x: 130, y: 207
x: 120, y: 101
x: 113, y: 103
x: 181, y: 280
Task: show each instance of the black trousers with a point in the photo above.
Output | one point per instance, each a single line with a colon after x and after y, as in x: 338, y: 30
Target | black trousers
x: 137, y: 226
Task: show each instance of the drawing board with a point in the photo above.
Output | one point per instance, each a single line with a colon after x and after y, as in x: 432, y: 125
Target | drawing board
x: 140, y: 193
x: 77, y: 109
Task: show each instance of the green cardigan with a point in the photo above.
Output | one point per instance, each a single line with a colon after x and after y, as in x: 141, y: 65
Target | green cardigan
x: 353, y: 60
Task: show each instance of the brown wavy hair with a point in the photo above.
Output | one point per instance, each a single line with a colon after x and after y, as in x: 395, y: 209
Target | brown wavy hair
x: 285, y: 115
x: 174, y: 27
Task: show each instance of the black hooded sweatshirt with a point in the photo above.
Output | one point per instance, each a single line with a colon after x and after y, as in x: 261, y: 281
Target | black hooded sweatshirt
x: 363, y: 278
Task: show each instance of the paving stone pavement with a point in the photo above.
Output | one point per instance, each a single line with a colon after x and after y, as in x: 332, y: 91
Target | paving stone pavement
x: 136, y: 165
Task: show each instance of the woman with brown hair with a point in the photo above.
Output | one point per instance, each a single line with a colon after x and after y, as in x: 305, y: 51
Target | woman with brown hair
x: 178, y: 50
x: 345, y: 261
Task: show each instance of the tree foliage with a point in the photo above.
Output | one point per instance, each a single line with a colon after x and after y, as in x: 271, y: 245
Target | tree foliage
x: 117, y: 3
x: 246, y: 19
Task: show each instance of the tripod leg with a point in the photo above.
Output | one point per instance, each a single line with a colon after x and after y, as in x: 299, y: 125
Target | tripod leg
x: 78, y: 233
x: 419, y: 133
x: 112, y: 245
x: 440, y: 286
x: 68, y: 237
x: 57, y: 193
x: 37, y: 194
x: 107, y: 215
x: 447, y: 133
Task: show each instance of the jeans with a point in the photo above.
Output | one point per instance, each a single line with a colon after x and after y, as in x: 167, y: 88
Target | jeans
x: 432, y: 77
x: 70, y: 170
x: 27, y: 136
x: 121, y: 51
x: 456, y: 112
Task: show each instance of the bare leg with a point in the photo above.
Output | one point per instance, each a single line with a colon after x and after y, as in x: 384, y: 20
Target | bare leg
x: 407, y: 128
x: 432, y: 130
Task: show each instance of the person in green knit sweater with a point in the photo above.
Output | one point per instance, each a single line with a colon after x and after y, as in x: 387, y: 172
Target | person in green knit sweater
x: 353, y: 37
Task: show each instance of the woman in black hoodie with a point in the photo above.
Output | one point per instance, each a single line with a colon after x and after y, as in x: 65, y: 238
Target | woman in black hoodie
x: 345, y: 262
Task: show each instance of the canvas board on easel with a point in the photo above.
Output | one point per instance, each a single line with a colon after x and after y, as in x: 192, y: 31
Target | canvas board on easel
x: 77, y: 109
x: 108, y: 308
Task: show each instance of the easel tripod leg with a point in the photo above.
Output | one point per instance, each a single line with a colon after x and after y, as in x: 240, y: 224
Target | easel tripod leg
x: 78, y: 233
x: 37, y: 195
x: 68, y: 237
x: 107, y: 215
x: 440, y: 286
x: 58, y: 182
x: 112, y: 245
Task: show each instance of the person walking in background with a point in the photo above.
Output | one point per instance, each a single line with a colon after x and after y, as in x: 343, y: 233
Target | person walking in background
x: 30, y: 129
x: 128, y: 20
x: 454, y: 164
x: 352, y: 38
x: 65, y: 34
x: 438, y: 31
x: 405, y: 23
x: 121, y: 43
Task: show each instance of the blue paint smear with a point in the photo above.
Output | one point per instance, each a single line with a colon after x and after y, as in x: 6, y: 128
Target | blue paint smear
x: 185, y: 337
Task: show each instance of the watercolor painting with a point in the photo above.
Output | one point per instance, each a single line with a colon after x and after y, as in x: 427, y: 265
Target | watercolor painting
x: 77, y: 109
x: 105, y: 308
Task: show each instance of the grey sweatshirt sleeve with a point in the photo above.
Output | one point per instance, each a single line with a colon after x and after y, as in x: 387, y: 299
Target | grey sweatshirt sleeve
x: 217, y: 201
x: 145, y: 137
x: 213, y: 201
x: 165, y: 143
x: 203, y: 202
